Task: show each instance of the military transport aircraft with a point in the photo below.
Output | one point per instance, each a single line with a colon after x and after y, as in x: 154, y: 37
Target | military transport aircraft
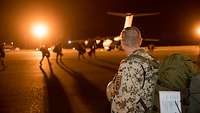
x: 112, y: 42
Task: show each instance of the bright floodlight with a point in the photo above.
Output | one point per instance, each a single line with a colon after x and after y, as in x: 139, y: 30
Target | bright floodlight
x: 40, y: 30
x: 107, y: 43
x: 98, y: 41
x: 86, y: 42
x: 198, y: 31
x: 69, y: 42
x: 118, y: 38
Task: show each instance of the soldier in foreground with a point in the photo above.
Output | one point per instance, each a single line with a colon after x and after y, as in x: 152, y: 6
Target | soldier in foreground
x: 131, y: 90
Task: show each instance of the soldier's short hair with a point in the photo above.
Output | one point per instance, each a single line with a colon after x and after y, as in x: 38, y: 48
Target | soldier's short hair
x: 131, y: 36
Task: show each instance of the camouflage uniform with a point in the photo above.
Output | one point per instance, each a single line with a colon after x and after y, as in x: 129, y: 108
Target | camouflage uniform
x: 135, y: 80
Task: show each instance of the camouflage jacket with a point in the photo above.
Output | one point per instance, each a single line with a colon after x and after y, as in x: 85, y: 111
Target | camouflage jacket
x: 135, y: 80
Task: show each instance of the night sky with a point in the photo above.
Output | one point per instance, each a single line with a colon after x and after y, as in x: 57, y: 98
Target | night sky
x: 83, y: 19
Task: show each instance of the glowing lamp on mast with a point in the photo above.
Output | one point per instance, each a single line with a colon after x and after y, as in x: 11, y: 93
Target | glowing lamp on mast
x: 40, y: 30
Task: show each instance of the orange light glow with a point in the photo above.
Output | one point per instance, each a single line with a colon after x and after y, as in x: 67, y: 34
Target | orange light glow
x: 40, y: 30
x: 198, y: 31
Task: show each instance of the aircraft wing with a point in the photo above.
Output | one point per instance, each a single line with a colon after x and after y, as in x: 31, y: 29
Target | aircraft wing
x: 134, y: 14
x: 151, y: 39
x: 119, y: 14
x: 145, y: 14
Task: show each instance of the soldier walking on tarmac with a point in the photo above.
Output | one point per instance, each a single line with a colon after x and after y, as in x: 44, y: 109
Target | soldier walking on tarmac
x: 2, y: 55
x: 45, y: 53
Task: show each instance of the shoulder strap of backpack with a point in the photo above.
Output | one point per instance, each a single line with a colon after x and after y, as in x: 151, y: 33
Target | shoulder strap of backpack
x: 152, y: 63
x: 144, y: 72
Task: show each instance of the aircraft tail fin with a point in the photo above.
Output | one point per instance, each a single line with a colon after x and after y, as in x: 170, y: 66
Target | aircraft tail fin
x: 129, y: 16
x: 128, y: 21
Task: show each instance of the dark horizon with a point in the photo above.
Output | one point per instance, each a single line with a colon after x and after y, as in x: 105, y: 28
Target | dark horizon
x: 72, y: 20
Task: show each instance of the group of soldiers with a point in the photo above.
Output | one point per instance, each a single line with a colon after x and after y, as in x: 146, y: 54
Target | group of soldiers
x: 45, y: 52
x: 81, y: 48
x: 43, y: 49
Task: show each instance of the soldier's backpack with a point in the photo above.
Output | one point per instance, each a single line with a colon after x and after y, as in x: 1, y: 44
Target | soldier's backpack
x: 175, y: 74
x: 55, y: 49
x: 194, y: 106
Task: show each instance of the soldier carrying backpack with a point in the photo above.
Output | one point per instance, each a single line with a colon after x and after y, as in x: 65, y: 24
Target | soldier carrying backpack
x: 45, y: 53
x: 131, y: 90
x: 58, y: 50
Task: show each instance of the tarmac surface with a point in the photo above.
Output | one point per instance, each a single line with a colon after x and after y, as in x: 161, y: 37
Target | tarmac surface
x: 71, y: 85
